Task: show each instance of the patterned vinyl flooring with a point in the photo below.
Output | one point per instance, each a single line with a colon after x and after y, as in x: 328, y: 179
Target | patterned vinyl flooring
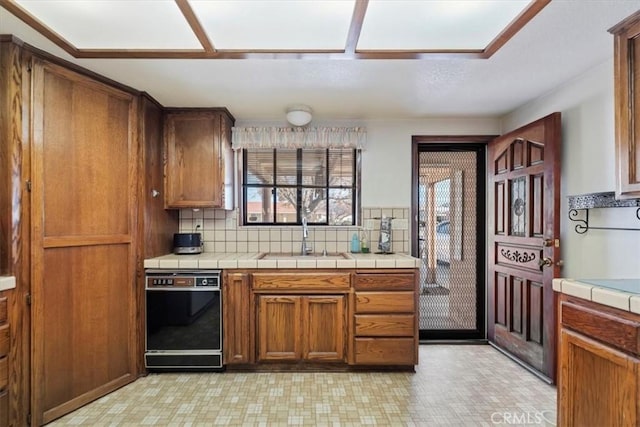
x: 454, y: 385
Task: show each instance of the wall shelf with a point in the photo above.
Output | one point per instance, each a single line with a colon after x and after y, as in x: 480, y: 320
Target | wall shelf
x: 584, y: 202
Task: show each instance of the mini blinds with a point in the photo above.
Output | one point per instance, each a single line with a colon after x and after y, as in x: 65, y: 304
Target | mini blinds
x: 282, y: 186
x: 320, y: 137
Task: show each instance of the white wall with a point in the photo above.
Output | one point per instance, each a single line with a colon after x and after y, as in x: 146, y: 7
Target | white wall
x: 386, y: 163
x: 586, y: 104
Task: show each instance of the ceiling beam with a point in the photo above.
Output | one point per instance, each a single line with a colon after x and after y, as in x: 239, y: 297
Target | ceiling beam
x: 514, y: 26
x: 276, y: 54
x: 28, y: 19
x: 195, y: 25
x: 357, y: 19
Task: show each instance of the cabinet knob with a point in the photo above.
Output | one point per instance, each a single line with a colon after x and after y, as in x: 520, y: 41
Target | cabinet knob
x: 155, y: 193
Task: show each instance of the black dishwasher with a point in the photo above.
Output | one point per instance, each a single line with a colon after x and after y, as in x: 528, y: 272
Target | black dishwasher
x: 183, y: 320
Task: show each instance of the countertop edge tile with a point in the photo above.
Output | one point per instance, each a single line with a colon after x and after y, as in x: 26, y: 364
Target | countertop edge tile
x: 267, y: 263
x: 385, y: 263
x: 169, y: 263
x: 151, y: 263
x: 188, y: 263
x: 7, y: 282
x: 634, y: 304
x: 346, y: 263
x: 247, y: 263
x: 306, y: 264
x: 326, y: 263
x: 611, y: 298
x: 365, y: 263
x: 576, y: 289
x: 207, y: 263
x: 286, y: 263
x: 228, y: 263
x: 557, y: 284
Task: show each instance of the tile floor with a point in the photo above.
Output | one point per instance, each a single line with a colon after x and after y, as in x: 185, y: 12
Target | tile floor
x: 454, y: 385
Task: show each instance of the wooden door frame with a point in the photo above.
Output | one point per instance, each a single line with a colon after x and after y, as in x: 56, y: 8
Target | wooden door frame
x: 474, y: 141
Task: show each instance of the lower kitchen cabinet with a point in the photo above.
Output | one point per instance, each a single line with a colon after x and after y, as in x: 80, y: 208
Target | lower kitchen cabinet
x: 236, y: 327
x: 385, y: 319
x: 301, y: 328
x: 343, y: 319
x: 599, y: 383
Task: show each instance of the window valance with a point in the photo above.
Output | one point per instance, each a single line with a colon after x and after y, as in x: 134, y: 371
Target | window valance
x: 320, y: 137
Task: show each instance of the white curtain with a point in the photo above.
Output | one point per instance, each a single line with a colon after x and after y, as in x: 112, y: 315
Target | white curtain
x: 321, y: 137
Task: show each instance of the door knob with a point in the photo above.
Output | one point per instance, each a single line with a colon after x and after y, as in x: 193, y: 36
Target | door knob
x: 545, y: 262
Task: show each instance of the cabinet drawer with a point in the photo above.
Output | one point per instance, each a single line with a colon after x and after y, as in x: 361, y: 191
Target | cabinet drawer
x: 391, y: 281
x: 319, y: 281
x: 385, y: 351
x: 614, y: 327
x: 384, y: 302
x: 4, y: 372
x: 385, y: 325
x: 4, y: 340
x: 3, y: 309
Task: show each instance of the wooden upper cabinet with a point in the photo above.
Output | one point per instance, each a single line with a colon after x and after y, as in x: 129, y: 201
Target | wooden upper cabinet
x: 197, y: 147
x: 627, y: 106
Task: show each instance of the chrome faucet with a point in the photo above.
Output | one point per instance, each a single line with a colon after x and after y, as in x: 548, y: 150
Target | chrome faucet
x: 306, y: 250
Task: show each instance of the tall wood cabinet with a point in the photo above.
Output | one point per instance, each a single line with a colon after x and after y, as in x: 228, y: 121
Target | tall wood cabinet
x: 84, y: 190
x: 627, y: 106
x: 599, y: 381
x: 14, y: 231
x: 156, y: 224
x: 198, y: 158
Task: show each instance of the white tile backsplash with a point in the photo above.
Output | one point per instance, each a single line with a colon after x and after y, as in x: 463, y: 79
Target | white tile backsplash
x: 221, y: 232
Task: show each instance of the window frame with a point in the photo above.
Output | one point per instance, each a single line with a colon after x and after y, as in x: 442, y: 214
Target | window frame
x: 355, y: 188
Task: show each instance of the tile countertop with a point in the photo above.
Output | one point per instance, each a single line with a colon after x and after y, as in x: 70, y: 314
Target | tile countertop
x: 252, y: 260
x: 7, y: 282
x: 623, y: 294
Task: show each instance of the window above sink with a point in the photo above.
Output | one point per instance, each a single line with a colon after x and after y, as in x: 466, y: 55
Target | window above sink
x: 283, y: 186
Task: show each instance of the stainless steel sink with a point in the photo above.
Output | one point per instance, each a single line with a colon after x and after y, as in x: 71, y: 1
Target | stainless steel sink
x: 314, y: 256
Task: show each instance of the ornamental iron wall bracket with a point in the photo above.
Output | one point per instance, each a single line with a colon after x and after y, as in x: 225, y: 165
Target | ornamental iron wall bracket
x: 585, y: 202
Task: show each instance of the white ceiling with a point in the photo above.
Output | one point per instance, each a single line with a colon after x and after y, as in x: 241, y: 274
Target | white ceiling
x: 564, y: 40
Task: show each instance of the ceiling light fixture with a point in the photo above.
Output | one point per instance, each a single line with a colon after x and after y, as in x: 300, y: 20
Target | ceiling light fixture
x: 299, y: 115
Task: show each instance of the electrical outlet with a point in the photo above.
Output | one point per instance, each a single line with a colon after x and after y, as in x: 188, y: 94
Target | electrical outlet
x: 197, y: 224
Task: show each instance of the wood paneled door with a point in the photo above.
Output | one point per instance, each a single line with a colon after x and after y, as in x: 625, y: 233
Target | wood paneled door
x: 84, y: 158
x: 524, y: 249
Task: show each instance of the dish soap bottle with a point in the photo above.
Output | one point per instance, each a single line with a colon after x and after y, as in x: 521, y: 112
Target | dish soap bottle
x: 355, y: 243
x: 364, y: 244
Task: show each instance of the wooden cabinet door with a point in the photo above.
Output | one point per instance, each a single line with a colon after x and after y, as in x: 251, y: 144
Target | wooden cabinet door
x: 279, y: 328
x: 237, y: 331
x: 84, y: 182
x: 323, y: 328
x: 627, y: 106
x: 598, y: 386
x: 195, y: 146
